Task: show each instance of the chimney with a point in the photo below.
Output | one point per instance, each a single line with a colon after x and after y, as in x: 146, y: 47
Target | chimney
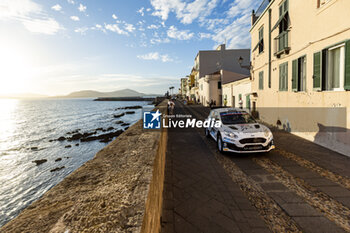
x: 221, y: 47
x: 254, y: 17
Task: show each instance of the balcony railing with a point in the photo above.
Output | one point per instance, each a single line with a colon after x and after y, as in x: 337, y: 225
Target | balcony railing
x: 282, y: 43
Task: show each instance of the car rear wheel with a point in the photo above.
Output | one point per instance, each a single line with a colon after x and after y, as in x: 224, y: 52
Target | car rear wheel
x: 220, y: 144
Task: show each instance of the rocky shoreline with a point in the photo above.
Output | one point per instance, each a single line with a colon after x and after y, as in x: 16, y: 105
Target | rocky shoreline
x: 109, y: 193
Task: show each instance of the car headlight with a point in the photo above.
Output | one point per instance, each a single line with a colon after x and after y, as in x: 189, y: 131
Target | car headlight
x: 267, y: 133
x: 230, y: 134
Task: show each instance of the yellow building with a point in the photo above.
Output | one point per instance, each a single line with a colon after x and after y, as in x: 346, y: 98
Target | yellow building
x: 301, y: 61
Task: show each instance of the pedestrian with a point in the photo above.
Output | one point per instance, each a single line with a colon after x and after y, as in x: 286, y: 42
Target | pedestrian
x: 172, y: 106
x: 240, y: 102
x: 225, y: 102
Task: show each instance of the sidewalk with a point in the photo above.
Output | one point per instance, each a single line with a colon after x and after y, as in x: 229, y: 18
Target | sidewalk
x: 198, y: 195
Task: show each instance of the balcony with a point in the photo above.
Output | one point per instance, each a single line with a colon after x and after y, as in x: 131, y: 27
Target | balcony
x: 282, y: 43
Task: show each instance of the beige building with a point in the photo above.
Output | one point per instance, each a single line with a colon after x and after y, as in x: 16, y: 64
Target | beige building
x: 206, y: 65
x: 237, y: 92
x: 301, y: 68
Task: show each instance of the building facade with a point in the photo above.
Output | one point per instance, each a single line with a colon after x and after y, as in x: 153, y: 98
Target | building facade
x: 208, y: 70
x: 301, y: 69
x: 238, y: 93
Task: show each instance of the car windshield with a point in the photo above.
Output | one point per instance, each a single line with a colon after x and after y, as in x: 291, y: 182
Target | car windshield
x: 231, y: 118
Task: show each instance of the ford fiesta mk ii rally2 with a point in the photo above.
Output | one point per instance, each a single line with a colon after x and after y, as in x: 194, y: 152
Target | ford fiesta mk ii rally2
x: 239, y: 132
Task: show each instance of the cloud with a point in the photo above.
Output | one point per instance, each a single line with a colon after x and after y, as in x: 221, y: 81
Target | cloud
x: 153, y: 26
x: 205, y: 35
x: 30, y: 14
x: 74, y: 18
x: 82, y: 8
x: 141, y: 11
x: 155, y: 56
x: 71, y: 1
x: 129, y: 27
x: 115, y: 28
x: 174, y: 33
x: 236, y: 34
x: 114, y: 16
x: 45, y: 26
x: 81, y: 30
x: 242, y: 7
x: 56, y: 7
x: 186, y: 11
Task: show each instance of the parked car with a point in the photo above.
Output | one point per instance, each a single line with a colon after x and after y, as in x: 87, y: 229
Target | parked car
x: 239, y: 132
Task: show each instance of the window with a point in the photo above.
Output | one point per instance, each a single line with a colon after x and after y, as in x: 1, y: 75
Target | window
x: 332, y: 68
x: 299, y: 74
x: 261, y: 80
x: 219, y: 85
x: 320, y: 3
x: 261, y: 39
x: 283, y: 77
x: 282, y: 40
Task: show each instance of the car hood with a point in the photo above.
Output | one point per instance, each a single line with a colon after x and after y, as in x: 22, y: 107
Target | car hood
x: 246, y: 128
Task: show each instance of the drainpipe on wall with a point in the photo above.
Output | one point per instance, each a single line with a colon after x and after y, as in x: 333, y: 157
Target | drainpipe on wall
x: 269, y: 48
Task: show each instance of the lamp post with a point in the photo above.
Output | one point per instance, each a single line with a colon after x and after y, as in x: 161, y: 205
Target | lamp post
x: 248, y: 67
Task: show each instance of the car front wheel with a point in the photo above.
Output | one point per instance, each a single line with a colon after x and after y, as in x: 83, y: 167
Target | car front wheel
x: 220, y: 144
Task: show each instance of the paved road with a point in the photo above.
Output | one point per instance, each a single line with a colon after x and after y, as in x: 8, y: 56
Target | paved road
x: 299, y: 187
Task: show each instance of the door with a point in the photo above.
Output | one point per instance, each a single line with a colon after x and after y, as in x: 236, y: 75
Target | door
x: 248, y: 102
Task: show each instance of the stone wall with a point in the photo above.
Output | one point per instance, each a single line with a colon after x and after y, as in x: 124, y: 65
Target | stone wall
x: 119, y: 190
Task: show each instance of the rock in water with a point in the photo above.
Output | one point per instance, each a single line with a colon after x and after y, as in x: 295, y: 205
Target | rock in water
x: 58, y: 159
x: 61, y: 139
x: 34, y: 148
x: 40, y: 161
x: 119, y: 115
x: 130, y: 107
x: 119, y: 122
x: 68, y: 146
x: 57, y: 169
x: 130, y: 112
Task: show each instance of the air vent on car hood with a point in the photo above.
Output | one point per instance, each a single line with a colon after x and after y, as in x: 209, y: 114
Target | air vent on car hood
x: 257, y: 126
x: 232, y: 127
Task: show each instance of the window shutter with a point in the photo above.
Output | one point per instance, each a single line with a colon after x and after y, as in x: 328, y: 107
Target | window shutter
x: 280, y: 77
x: 286, y: 76
x: 261, y: 80
x: 295, y: 75
x: 347, y: 66
x: 317, y: 71
x: 286, y: 5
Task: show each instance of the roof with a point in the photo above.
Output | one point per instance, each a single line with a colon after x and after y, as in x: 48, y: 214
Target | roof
x: 229, y: 77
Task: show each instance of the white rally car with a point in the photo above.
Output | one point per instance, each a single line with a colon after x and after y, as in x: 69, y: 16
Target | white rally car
x: 239, y: 132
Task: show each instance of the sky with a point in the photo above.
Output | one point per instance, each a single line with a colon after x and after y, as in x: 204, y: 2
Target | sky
x: 55, y: 47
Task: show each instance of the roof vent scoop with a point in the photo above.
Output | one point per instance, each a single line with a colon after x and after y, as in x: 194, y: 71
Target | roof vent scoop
x: 257, y: 126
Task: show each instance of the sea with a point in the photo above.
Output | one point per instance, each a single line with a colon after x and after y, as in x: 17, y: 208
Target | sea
x: 29, y: 130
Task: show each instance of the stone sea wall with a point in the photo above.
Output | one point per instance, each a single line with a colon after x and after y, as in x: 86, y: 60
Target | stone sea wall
x: 119, y: 190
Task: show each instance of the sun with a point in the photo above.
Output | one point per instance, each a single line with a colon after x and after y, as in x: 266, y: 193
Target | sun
x: 15, y: 69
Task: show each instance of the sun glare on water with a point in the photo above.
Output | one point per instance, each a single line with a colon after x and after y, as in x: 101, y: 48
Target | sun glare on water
x: 15, y: 70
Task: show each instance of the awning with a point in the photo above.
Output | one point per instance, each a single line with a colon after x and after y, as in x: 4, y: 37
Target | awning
x: 280, y: 20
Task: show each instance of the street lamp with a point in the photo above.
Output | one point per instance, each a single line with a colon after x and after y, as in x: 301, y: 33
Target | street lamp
x: 240, y: 61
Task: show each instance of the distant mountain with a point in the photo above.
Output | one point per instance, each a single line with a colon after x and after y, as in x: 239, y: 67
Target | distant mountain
x: 95, y: 94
